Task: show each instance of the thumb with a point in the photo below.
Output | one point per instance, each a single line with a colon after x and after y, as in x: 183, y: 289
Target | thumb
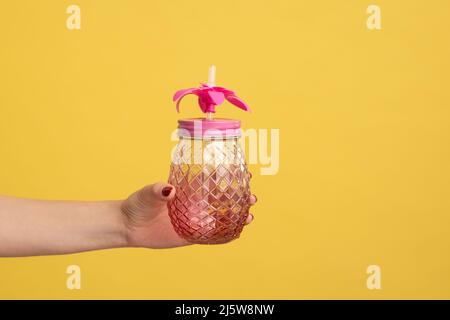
x: 157, y: 193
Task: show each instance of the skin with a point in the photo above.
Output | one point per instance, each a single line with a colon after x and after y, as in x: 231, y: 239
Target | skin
x: 37, y: 227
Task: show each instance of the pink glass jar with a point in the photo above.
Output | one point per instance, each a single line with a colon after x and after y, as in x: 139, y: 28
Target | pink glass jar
x: 212, y: 181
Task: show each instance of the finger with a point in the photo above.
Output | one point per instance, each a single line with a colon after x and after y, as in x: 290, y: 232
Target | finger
x: 253, y: 199
x: 163, y: 191
x: 250, y: 218
x: 156, y: 193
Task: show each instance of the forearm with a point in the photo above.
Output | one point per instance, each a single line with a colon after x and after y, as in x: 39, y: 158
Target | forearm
x: 35, y: 227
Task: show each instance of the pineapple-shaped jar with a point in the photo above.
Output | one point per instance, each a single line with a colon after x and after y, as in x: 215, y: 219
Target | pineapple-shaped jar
x: 209, y: 172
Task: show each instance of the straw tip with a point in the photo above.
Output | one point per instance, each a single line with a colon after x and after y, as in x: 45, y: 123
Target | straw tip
x: 212, y: 76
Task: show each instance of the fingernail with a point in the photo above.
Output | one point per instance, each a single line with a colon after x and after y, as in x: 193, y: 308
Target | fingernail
x: 166, y: 191
x: 256, y: 198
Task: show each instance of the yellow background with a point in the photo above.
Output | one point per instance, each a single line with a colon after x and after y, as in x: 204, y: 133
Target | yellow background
x: 364, y: 137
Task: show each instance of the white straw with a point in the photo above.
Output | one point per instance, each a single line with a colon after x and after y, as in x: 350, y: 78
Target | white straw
x: 212, y: 76
x: 211, y: 83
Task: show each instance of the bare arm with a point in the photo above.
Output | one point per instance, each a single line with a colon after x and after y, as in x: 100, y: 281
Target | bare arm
x: 36, y: 227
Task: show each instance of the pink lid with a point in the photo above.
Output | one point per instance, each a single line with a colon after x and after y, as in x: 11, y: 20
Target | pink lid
x: 205, y: 128
x: 209, y: 97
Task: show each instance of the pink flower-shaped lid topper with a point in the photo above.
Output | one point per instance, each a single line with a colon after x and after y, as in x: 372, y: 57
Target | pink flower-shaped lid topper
x: 210, y: 96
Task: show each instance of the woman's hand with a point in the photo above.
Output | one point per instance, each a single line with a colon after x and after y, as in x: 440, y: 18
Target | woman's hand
x: 147, y: 220
x: 38, y: 227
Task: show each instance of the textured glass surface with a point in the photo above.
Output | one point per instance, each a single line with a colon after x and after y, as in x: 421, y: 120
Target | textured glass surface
x: 212, y: 198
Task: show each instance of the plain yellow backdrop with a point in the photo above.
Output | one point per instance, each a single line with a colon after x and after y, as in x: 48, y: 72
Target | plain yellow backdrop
x: 364, y: 140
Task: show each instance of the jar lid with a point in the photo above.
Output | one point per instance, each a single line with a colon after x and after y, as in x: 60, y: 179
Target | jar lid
x: 206, y: 128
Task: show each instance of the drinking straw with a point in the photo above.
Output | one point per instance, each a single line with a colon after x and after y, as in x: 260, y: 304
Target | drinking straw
x: 211, y: 83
